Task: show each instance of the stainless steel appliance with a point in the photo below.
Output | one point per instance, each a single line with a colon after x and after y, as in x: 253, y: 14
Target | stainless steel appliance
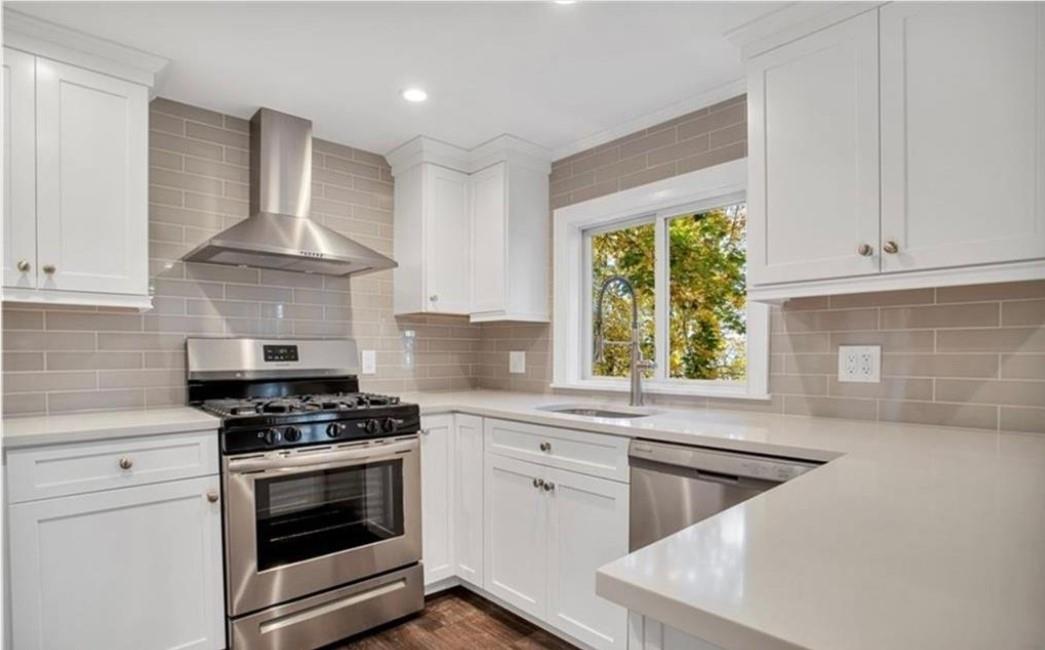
x: 322, y: 508
x: 674, y: 486
x: 279, y: 234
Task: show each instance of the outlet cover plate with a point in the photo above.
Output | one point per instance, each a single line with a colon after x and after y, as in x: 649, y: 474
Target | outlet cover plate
x: 860, y: 363
x: 369, y: 362
x: 517, y: 362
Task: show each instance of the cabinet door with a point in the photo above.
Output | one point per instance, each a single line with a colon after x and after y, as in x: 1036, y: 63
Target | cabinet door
x: 516, y: 541
x: 963, y: 133
x: 587, y: 528
x: 92, y: 161
x: 489, y: 239
x: 813, y: 125
x: 446, y: 222
x: 132, y: 569
x: 436, y: 497
x: 19, y: 169
x: 468, y: 498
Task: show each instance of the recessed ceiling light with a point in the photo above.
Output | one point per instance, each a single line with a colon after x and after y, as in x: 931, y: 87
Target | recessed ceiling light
x: 565, y: 2
x: 414, y: 95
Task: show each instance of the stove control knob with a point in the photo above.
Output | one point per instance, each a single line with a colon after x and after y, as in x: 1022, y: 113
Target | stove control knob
x: 373, y: 427
x: 273, y: 437
x: 335, y: 429
x: 292, y: 434
x: 390, y: 425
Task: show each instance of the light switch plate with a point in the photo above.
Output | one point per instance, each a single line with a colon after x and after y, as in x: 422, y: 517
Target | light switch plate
x: 517, y: 362
x: 369, y: 362
x: 860, y: 363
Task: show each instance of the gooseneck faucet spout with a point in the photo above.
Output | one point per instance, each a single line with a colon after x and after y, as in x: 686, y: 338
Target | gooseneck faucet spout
x: 638, y: 364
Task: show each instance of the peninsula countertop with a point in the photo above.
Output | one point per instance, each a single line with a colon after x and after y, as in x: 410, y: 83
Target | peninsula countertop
x: 910, y: 537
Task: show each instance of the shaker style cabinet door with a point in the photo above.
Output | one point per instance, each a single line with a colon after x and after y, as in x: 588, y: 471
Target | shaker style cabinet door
x: 437, y: 461
x: 19, y: 188
x: 468, y: 498
x: 91, y: 166
x: 516, y: 534
x: 963, y: 134
x: 446, y: 241
x: 813, y: 128
x: 489, y: 238
x: 131, y: 569
x: 587, y: 528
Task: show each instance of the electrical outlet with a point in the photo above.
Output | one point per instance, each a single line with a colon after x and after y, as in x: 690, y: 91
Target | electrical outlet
x: 860, y: 363
x: 369, y: 362
x: 517, y: 362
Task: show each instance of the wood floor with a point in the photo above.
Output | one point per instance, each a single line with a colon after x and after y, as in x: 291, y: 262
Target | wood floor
x: 457, y: 619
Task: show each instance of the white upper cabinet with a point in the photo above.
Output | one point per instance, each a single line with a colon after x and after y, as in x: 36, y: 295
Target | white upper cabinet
x: 91, y: 181
x: 19, y: 169
x: 76, y: 124
x: 895, y: 147
x: 963, y: 133
x: 471, y: 230
x: 813, y: 127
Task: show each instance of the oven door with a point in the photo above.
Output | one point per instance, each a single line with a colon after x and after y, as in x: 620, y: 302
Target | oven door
x: 300, y: 522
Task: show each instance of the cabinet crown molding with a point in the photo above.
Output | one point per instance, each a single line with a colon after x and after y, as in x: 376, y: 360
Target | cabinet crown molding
x: 791, y: 22
x: 503, y: 148
x: 36, y: 36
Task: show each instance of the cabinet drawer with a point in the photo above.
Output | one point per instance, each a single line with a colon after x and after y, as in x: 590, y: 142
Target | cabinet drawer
x: 57, y: 470
x: 596, y: 454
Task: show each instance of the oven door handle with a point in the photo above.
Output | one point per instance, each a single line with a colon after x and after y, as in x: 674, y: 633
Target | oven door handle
x: 322, y: 460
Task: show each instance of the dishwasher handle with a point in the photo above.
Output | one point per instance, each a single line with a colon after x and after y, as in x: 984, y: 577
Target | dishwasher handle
x: 716, y: 464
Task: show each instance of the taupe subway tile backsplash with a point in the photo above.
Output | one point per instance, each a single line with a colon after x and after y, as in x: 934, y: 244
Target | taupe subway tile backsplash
x: 962, y: 356
x: 73, y: 359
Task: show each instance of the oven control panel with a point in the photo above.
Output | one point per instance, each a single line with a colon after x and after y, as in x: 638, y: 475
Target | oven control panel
x: 280, y: 352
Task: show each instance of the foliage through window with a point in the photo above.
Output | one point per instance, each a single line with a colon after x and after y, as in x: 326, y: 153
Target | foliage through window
x: 701, y: 263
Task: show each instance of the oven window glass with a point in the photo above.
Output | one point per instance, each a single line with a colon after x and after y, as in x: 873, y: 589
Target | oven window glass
x: 308, y: 515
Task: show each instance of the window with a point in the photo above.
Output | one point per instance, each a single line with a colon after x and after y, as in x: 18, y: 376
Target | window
x: 681, y: 243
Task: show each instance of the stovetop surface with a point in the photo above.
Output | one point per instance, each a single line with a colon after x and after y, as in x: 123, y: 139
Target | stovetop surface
x: 347, y: 404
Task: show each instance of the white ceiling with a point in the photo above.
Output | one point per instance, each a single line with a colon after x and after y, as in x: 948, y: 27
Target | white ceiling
x: 557, y: 75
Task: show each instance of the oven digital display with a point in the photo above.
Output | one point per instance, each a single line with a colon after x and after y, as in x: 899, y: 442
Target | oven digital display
x: 281, y: 352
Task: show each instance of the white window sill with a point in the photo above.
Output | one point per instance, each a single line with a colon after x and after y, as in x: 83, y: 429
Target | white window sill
x: 726, y: 390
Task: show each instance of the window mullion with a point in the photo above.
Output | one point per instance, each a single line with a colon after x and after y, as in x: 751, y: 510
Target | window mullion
x: 661, y: 287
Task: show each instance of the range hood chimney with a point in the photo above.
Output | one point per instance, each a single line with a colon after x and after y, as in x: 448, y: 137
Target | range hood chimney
x: 278, y: 234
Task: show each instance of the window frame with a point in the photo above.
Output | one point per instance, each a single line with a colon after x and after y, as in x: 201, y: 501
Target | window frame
x: 657, y: 203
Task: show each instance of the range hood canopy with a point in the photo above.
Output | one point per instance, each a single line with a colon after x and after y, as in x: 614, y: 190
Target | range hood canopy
x: 279, y: 233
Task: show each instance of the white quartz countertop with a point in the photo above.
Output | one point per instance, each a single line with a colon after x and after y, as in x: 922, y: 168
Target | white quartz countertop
x: 102, y: 425
x: 912, y: 537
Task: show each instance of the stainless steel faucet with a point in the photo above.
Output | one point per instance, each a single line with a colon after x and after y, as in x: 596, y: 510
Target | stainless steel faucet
x: 638, y: 364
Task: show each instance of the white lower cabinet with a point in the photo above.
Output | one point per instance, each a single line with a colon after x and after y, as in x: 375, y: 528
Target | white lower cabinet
x: 136, y: 568
x: 548, y: 530
x: 437, y: 465
x: 467, y: 503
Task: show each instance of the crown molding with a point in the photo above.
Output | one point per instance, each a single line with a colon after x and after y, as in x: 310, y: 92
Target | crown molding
x: 43, y: 38
x: 503, y: 148
x: 678, y: 109
x: 790, y: 22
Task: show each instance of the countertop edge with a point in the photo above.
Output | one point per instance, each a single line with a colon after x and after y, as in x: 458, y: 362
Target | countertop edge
x: 48, y: 430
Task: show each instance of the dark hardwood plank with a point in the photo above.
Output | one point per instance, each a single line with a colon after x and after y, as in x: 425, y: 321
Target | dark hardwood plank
x: 457, y: 619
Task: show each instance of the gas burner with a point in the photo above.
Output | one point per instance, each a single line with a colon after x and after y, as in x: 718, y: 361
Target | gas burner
x: 326, y: 402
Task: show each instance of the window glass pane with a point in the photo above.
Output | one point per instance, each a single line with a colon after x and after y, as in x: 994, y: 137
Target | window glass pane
x: 628, y: 252
x: 707, y: 309
x: 302, y: 516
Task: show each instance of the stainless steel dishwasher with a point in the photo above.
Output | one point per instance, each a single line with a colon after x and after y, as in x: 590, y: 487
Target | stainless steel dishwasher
x: 674, y: 486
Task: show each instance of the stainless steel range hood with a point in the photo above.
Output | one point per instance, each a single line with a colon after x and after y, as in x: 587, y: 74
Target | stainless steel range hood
x: 279, y: 234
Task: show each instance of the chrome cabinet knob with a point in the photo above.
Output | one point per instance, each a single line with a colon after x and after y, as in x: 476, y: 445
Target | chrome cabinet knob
x: 890, y: 247
x: 549, y: 486
x: 212, y: 496
x: 126, y: 463
x: 538, y: 483
x: 23, y: 266
x: 434, y: 297
x: 425, y: 432
x: 546, y: 446
x: 865, y: 250
x: 49, y: 269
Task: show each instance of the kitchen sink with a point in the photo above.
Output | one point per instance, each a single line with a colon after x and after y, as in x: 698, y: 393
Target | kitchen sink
x: 595, y: 411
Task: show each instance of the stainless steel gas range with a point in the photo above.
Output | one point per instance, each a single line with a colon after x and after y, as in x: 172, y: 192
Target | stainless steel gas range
x: 322, y: 491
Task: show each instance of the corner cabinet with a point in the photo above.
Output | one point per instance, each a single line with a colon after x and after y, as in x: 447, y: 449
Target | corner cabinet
x: 471, y: 230
x: 897, y: 148
x: 76, y: 178
x: 123, y: 559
